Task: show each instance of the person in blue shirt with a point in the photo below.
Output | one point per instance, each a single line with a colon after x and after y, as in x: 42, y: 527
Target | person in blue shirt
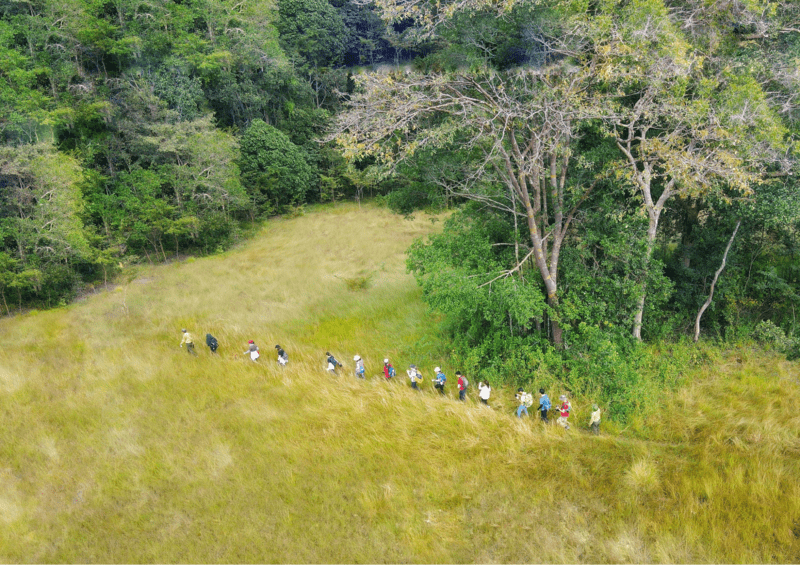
x: 544, y: 405
x: 332, y: 363
x: 439, y: 380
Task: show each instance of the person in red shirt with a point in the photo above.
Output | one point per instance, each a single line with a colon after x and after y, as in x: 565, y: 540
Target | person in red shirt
x: 388, y: 370
x: 462, y: 386
x: 564, y: 412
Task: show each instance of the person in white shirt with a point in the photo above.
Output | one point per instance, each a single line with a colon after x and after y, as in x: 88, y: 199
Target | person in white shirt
x: 484, y: 391
x: 594, y: 421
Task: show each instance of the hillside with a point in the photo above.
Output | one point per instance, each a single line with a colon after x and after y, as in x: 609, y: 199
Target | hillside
x: 117, y: 446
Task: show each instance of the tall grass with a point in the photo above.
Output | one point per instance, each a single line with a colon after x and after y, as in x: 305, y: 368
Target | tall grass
x: 117, y: 446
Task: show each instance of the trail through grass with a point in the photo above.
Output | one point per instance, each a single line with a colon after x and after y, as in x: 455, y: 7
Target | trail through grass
x: 117, y: 446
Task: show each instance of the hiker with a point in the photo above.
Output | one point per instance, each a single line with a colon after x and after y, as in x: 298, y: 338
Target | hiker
x: 187, y: 339
x: 525, y: 401
x: 388, y: 370
x: 332, y: 363
x: 544, y: 405
x: 415, y: 376
x: 252, y: 349
x: 439, y: 380
x: 594, y: 421
x: 463, y: 383
x: 282, y: 357
x: 212, y: 343
x: 360, y: 370
x: 484, y: 391
x: 564, y: 409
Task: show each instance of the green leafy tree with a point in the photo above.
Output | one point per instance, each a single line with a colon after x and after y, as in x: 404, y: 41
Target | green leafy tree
x: 274, y: 170
x: 314, y: 30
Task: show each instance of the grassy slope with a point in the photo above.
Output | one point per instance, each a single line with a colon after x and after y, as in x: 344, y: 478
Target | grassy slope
x: 116, y: 446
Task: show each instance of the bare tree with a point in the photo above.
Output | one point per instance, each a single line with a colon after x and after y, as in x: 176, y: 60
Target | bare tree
x: 684, y: 133
x: 522, y: 124
x: 707, y: 303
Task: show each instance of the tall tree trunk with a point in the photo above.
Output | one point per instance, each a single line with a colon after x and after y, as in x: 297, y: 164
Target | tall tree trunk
x: 652, y: 230
x: 714, y: 283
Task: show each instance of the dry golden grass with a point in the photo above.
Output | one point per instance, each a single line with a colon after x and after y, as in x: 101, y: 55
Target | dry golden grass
x: 117, y: 446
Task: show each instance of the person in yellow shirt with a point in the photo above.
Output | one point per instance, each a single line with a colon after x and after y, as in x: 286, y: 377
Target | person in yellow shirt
x: 187, y: 339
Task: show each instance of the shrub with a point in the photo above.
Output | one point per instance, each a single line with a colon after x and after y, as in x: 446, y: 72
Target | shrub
x: 767, y: 333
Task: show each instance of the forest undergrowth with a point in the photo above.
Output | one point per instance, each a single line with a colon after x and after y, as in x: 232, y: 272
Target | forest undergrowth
x: 118, y: 446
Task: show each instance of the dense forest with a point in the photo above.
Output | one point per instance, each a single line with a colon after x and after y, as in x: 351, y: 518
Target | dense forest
x: 136, y: 131
x: 617, y: 170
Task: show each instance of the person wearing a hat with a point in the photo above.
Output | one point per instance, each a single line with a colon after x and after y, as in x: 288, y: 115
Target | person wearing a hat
x: 388, y: 370
x: 439, y: 380
x: 282, y: 357
x: 564, y: 410
x: 415, y: 376
x: 187, y: 339
x: 360, y: 370
x: 252, y: 349
x: 525, y: 401
x: 594, y: 421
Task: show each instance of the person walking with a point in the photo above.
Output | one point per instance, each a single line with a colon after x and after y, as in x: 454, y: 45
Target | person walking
x: 189, y: 341
x: 564, y: 409
x: 439, y: 380
x: 252, y: 350
x: 544, y: 405
x: 212, y: 343
x: 388, y: 370
x: 525, y: 401
x: 415, y: 376
x: 360, y: 370
x: 283, y: 358
x: 485, y: 392
x: 594, y: 421
x: 332, y: 363
x: 462, y: 386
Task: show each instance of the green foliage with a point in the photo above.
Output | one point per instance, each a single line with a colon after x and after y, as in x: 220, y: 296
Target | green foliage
x: 274, y: 170
x: 767, y: 333
x: 313, y: 29
x: 455, y: 269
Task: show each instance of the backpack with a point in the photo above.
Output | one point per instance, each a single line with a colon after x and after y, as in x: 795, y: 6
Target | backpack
x: 391, y: 372
x: 212, y: 342
x: 441, y: 378
x: 527, y: 399
x: 466, y: 382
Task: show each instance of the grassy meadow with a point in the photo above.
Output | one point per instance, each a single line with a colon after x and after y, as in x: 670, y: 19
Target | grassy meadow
x: 117, y: 446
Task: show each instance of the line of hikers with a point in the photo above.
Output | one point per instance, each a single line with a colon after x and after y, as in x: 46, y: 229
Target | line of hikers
x: 525, y: 399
